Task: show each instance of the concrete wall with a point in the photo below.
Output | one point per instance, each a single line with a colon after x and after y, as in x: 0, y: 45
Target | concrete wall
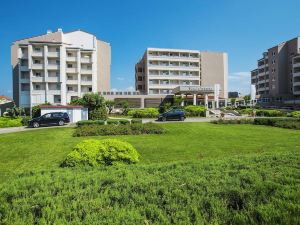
x: 104, y: 62
x: 214, y: 70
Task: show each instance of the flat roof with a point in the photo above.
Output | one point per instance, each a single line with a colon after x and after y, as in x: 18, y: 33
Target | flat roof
x: 61, y: 107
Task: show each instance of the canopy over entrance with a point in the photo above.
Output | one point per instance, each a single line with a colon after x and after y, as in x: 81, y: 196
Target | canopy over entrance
x: 193, y: 90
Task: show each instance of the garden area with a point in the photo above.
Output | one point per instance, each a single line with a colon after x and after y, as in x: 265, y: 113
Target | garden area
x: 188, y: 173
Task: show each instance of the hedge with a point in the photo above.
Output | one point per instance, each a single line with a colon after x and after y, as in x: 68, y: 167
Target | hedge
x: 134, y: 121
x: 144, y: 113
x: 90, y: 122
x: 291, y: 123
x: 295, y: 114
x: 194, y: 110
x: 269, y: 113
x: 111, y: 129
x: 105, y: 152
x: 11, y: 122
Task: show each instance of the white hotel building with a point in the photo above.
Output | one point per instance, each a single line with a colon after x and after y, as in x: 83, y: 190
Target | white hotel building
x: 57, y: 67
x: 161, y: 70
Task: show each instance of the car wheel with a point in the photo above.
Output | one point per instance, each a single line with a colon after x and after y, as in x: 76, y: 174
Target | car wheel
x: 164, y: 119
x: 61, y: 123
x: 181, y: 118
x: 35, y: 125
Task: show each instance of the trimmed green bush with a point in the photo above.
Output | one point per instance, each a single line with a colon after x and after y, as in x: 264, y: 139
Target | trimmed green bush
x: 25, y: 120
x: 194, y: 110
x: 124, y: 121
x: 112, y: 129
x: 291, y: 123
x: 269, y: 113
x: 239, y: 121
x: 134, y: 121
x: 144, y: 113
x: 10, y: 122
x: 86, y: 152
x: 90, y: 122
x: 295, y: 114
x: 106, y: 152
x: 112, y: 121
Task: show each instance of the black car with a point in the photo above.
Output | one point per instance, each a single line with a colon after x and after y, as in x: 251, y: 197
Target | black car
x: 55, y: 118
x: 174, y: 114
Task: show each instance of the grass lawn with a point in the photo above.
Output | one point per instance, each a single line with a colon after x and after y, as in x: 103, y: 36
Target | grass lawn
x: 195, y: 173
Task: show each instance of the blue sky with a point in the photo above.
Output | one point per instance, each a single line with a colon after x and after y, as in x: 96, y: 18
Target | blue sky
x: 243, y: 29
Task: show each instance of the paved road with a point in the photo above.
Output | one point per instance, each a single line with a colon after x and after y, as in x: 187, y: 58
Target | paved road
x: 19, y: 129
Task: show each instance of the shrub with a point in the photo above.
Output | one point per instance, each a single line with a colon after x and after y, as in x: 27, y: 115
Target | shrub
x: 124, y: 121
x: 295, y: 114
x: 106, y: 152
x: 111, y: 129
x: 240, y: 121
x: 194, y: 110
x: 25, y: 120
x: 247, y: 111
x: 269, y: 113
x: 134, y: 121
x: 98, y: 114
x: 10, y: 122
x: 112, y: 121
x: 144, y: 113
x: 290, y: 123
x: 90, y: 122
x: 86, y: 152
x: 116, y: 151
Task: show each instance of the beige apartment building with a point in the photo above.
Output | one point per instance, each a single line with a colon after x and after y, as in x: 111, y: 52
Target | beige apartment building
x: 161, y: 70
x: 277, y: 76
x: 57, y: 67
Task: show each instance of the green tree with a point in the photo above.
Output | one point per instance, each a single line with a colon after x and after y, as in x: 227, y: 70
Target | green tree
x: 15, y: 111
x: 247, y: 98
x: 177, y: 101
x: 110, y: 105
x: 95, y: 104
x: 36, y: 110
x: 124, y: 105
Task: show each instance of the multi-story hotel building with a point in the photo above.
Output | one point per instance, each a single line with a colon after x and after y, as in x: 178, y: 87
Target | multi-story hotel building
x: 162, y: 70
x: 277, y: 76
x: 57, y: 67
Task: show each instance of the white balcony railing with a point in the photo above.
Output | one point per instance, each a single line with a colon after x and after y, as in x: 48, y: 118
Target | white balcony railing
x: 86, y: 60
x: 37, y: 53
x: 53, y: 66
x: 71, y: 70
x: 71, y: 58
x: 86, y: 71
x: 53, y: 54
x: 37, y: 66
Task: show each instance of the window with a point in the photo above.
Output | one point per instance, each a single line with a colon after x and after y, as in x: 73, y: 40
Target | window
x: 57, y: 99
x: 36, y: 61
x: 47, y: 116
x: 140, y: 69
x: 38, y: 74
x: 140, y: 78
x: 70, y: 88
x: 90, y: 89
x: 37, y: 49
x: 37, y: 87
x: 57, y: 49
x: 70, y: 66
x: 57, y: 62
x: 69, y: 54
x: 57, y: 74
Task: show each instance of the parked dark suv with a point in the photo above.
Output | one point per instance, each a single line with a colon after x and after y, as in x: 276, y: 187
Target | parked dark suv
x: 55, y: 118
x: 174, y: 114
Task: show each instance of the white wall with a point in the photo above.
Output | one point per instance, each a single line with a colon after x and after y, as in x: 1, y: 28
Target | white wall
x: 76, y: 113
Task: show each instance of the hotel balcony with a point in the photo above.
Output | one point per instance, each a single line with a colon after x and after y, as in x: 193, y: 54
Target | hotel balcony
x: 53, y: 66
x: 37, y: 66
x: 71, y: 70
x: 73, y: 81
x: 296, y: 64
x: 52, y: 79
x: 37, y: 54
x: 296, y: 74
x: 37, y: 79
x: 71, y: 59
x: 86, y: 71
x: 53, y: 54
x: 86, y: 60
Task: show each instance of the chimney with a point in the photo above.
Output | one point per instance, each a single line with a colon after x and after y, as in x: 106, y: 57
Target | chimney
x: 59, y: 30
x: 49, y: 31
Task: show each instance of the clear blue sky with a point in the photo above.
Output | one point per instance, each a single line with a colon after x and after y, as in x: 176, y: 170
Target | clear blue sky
x: 242, y: 28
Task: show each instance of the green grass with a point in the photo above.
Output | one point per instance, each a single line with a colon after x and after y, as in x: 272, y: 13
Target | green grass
x: 195, y: 173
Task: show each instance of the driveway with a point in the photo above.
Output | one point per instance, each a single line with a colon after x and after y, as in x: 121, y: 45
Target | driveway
x: 19, y: 129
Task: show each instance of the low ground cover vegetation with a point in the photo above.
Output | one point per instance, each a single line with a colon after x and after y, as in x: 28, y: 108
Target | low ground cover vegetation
x: 260, y: 189
x: 196, y: 173
x: 290, y: 123
x: 144, y: 113
x: 116, y: 128
x: 194, y: 111
x: 93, y: 152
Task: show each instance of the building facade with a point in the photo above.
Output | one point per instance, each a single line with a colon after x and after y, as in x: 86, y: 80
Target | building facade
x: 277, y: 76
x: 57, y: 67
x: 162, y: 70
